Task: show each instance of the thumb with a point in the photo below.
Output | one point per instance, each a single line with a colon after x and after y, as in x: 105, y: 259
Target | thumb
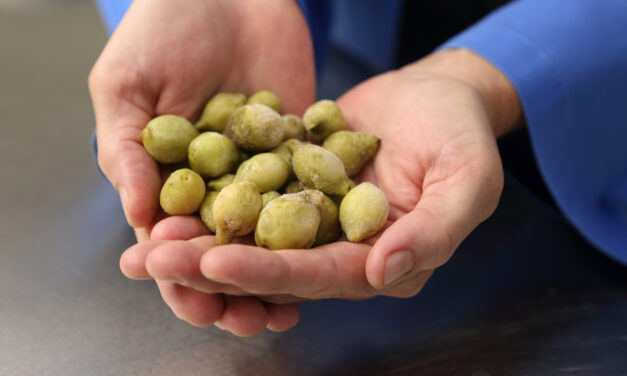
x: 427, y: 236
x: 133, y: 173
x: 122, y: 157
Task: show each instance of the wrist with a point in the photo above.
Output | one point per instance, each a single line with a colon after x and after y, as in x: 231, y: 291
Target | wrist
x: 497, y: 92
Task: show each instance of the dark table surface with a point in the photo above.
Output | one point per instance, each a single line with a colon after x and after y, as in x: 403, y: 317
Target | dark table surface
x: 523, y: 295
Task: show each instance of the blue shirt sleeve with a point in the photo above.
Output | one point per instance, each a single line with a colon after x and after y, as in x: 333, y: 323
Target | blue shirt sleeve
x: 112, y: 12
x: 568, y: 63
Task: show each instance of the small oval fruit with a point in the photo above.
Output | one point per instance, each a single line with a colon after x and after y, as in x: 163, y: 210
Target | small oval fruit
x: 294, y: 127
x: 269, y: 196
x: 294, y: 187
x: 286, y: 149
x: 212, y: 154
x: 167, y: 137
x: 182, y: 193
x: 206, y: 210
x: 320, y: 169
x: 353, y: 148
x: 323, y: 118
x: 218, y: 110
x: 255, y: 128
x: 221, y: 182
x: 268, y: 98
x: 267, y: 170
x: 363, y: 212
x: 288, y: 222
x: 236, y: 211
x: 329, y: 229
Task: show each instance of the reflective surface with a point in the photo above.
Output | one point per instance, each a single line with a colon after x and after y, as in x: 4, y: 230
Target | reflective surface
x: 524, y: 295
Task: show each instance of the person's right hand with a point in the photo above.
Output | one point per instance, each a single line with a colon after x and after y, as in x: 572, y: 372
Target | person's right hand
x: 170, y: 57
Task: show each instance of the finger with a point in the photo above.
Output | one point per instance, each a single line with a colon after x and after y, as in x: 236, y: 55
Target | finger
x: 179, y: 261
x: 243, y: 316
x: 281, y: 317
x: 446, y: 213
x: 334, y: 270
x: 179, y: 228
x: 132, y: 171
x: 195, y: 307
x: 144, y: 233
x: 123, y: 107
x: 408, y: 287
x: 133, y: 260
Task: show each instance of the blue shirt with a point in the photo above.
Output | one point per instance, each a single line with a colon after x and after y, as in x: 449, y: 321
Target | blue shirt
x: 568, y: 62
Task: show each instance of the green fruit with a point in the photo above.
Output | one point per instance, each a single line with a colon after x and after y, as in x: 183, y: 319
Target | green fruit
x: 294, y: 187
x: 221, y: 182
x: 337, y: 199
x: 294, y: 127
x: 167, y: 137
x: 269, y: 196
x: 290, y: 221
x: 212, y: 154
x: 329, y: 229
x: 323, y: 118
x: 218, y: 110
x: 320, y: 169
x: 182, y: 193
x: 267, y: 170
x: 268, y: 98
x: 236, y: 210
x: 363, y: 212
x: 353, y: 148
x: 286, y: 149
x: 255, y: 128
x: 206, y: 210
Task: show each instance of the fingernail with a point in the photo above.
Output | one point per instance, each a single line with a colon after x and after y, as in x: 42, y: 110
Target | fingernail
x: 124, y: 199
x: 397, y: 265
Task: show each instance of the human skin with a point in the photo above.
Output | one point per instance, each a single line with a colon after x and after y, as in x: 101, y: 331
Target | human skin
x: 438, y: 165
x: 170, y: 57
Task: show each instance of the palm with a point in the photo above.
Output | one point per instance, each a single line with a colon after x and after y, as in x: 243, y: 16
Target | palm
x: 437, y: 151
x: 209, y: 46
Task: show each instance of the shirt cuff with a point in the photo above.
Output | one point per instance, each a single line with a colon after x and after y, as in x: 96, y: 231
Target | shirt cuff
x: 574, y: 142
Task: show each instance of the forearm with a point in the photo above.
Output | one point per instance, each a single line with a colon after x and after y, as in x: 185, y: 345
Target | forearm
x: 497, y: 92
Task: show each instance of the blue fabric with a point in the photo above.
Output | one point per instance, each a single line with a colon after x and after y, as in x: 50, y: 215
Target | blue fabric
x: 568, y: 62
x: 368, y: 30
x: 318, y: 14
x: 112, y: 12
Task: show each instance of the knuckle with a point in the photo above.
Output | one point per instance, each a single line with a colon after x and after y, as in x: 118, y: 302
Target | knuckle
x: 113, y: 79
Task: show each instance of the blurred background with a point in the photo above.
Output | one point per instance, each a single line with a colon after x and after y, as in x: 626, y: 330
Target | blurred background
x: 508, y: 303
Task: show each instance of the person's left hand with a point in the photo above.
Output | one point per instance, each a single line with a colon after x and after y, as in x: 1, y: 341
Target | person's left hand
x: 438, y: 165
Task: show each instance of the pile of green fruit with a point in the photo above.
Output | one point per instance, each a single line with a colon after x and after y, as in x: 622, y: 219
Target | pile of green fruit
x: 241, y: 153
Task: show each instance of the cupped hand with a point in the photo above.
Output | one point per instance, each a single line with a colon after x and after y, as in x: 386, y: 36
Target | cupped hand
x: 438, y: 165
x: 170, y: 57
